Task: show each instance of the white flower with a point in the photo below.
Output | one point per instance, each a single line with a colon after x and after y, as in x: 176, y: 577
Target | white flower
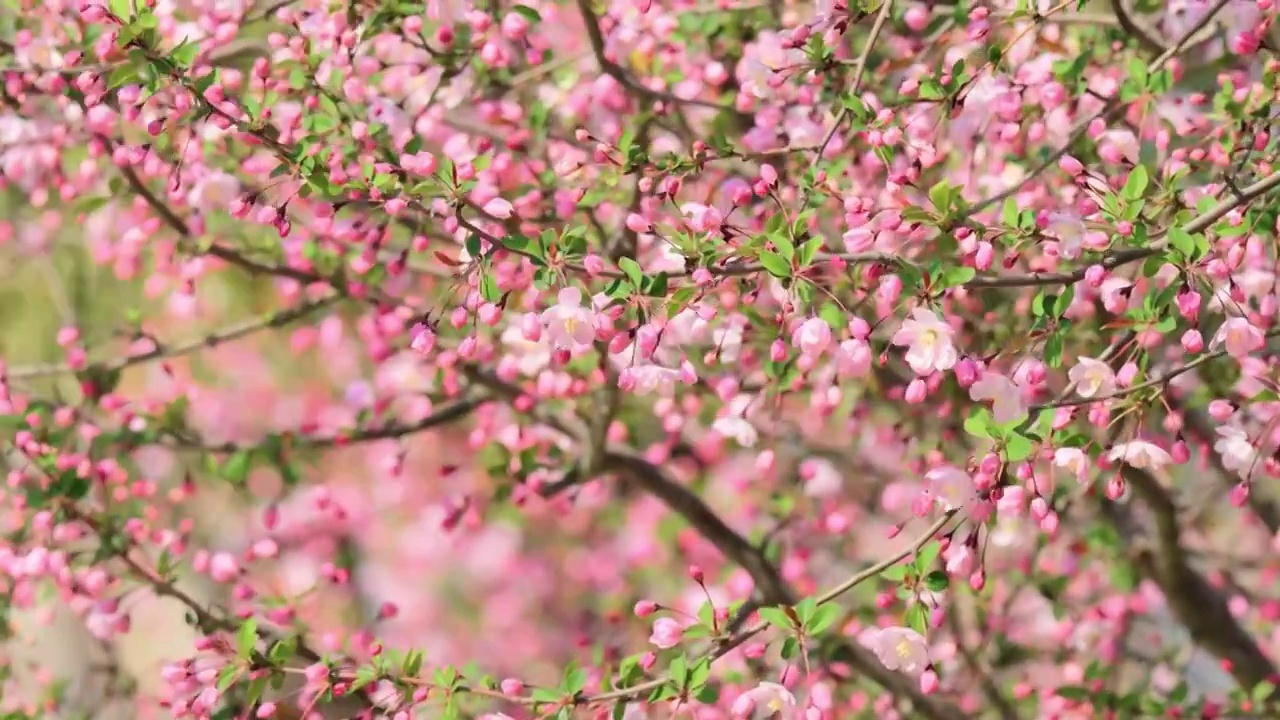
x: 738, y: 429
x: 652, y: 378
x: 900, y: 648
x: 928, y: 340
x: 1007, y: 403
x: 1092, y: 378
x: 1072, y: 459
x: 1069, y: 229
x: 951, y: 487
x: 1140, y: 454
x: 569, y: 324
x: 1237, y: 452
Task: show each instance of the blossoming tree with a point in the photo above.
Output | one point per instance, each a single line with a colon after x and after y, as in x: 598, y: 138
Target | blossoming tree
x: 641, y: 359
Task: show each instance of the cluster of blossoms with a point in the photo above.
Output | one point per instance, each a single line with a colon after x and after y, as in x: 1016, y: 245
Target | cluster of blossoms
x: 558, y: 358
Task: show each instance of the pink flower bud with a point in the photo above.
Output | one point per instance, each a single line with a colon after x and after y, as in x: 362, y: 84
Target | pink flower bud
x: 1071, y: 166
x: 499, y: 208
x: 645, y: 608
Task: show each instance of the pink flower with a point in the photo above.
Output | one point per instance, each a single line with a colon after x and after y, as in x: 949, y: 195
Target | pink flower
x: 1092, y: 378
x: 929, y: 342
x: 569, y: 324
x: 812, y: 336
x: 223, y: 568
x: 766, y: 700
x: 666, y: 633
x: 1239, y: 336
x: 951, y: 487
x: 423, y: 339
x: 899, y: 648
x: 499, y: 208
x: 702, y: 218
x: 1006, y: 399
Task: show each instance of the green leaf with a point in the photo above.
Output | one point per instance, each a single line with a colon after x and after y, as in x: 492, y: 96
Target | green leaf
x: 918, y: 618
x: 489, y: 288
x: 656, y: 286
x: 1182, y: 241
x: 980, y: 424
x: 1018, y: 447
x: 775, y: 264
x: 894, y: 573
x: 236, y: 468
x: 940, y: 196
x: 776, y: 617
x: 927, y: 555
x: 185, y: 54
x: 955, y: 277
x: 1053, y: 350
x: 631, y: 269
x: 790, y: 648
x: 1009, y: 213
x: 528, y: 13
x: 1072, y: 692
x: 247, y: 638
x: 1262, y: 691
x: 937, y: 581
x: 824, y: 616
x: 1136, y: 185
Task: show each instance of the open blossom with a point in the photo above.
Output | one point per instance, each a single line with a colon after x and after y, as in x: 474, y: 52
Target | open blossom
x: 1070, y: 230
x: 928, y: 342
x: 739, y: 429
x: 1073, y: 460
x: 569, y: 324
x: 766, y: 700
x: 1007, y: 404
x: 1237, y: 452
x: 951, y: 487
x: 650, y: 378
x: 1140, y: 454
x: 1092, y: 378
x: 899, y: 648
x: 1239, y: 336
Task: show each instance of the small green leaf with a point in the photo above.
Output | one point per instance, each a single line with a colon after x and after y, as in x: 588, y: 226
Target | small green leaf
x: 980, y: 424
x: 937, y: 581
x: 631, y: 269
x: 247, y: 638
x: 1018, y: 447
x: 775, y: 264
x: 940, y: 196
x: 955, y: 277
x: 489, y: 288
x: 824, y: 616
x: 918, y: 618
x: 776, y: 617
x: 528, y: 13
x: 1136, y: 185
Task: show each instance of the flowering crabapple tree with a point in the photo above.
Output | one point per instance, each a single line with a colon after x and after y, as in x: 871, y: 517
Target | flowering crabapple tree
x: 642, y: 359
